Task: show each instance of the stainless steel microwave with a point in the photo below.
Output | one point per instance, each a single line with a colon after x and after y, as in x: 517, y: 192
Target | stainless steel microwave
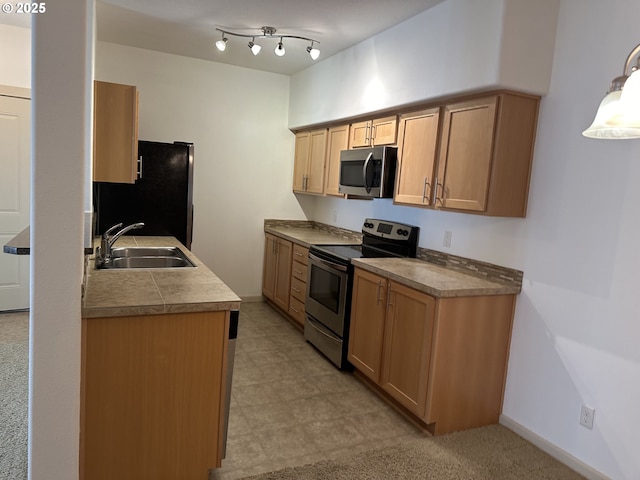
x: 368, y: 172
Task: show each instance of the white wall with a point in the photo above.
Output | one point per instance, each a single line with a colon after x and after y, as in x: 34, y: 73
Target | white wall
x: 577, y: 329
x: 60, y: 155
x: 453, y: 47
x: 15, y: 56
x: 237, y: 120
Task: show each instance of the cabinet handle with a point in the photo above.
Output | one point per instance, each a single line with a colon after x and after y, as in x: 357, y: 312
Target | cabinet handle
x: 298, y: 272
x: 297, y: 311
x: 379, y: 288
x: 374, y: 133
x: 424, y: 189
x: 297, y: 254
x: 139, y: 172
x: 366, y: 134
x: 437, y: 199
x: 297, y: 290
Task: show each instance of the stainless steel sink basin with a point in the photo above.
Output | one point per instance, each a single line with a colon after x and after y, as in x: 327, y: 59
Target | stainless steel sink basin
x: 147, y: 257
x: 146, y: 252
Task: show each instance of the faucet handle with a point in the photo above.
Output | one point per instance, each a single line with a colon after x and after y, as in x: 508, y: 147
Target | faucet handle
x: 111, y: 229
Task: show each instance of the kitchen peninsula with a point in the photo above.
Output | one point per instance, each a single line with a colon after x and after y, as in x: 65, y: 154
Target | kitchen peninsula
x: 154, y: 369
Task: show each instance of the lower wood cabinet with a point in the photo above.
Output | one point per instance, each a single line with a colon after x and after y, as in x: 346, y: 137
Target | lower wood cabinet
x: 152, y: 396
x: 442, y: 359
x: 276, y: 278
x: 284, y: 280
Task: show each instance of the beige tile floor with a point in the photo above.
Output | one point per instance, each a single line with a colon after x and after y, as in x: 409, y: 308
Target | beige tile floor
x: 290, y: 406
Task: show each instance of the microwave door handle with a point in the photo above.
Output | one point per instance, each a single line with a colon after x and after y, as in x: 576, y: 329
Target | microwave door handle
x: 364, y: 172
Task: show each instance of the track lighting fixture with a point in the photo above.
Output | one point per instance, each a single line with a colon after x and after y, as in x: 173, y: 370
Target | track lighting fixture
x: 267, y: 32
x: 618, y: 116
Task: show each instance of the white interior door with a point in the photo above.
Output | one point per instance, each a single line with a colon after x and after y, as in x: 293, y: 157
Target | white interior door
x: 15, y: 163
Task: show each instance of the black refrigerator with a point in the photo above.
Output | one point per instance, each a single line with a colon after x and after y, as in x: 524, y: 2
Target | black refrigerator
x: 162, y: 196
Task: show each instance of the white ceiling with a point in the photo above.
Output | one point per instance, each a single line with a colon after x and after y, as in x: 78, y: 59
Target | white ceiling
x: 187, y: 27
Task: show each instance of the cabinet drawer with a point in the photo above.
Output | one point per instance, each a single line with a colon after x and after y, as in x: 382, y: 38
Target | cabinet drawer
x: 300, y: 254
x: 298, y: 289
x: 299, y: 271
x: 296, y: 310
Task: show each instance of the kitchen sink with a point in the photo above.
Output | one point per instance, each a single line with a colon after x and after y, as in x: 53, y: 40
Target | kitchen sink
x: 146, y: 252
x: 147, y: 257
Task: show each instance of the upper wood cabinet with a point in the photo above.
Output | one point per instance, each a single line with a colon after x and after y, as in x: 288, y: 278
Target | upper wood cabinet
x: 309, y: 162
x: 115, y: 133
x: 381, y: 131
x: 338, y: 140
x: 417, y: 156
x: 485, y: 154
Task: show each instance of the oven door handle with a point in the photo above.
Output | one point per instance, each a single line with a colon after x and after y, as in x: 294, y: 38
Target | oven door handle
x: 337, y: 266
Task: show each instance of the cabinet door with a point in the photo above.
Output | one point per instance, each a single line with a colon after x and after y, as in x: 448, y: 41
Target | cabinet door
x: 417, y: 149
x: 384, y: 131
x: 338, y: 140
x: 407, y: 346
x: 115, y: 133
x: 317, y: 156
x: 301, y: 161
x: 269, y: 268
x: 283, y: 274
x: 360, y: 134
x: 466, y: 154
x: 368, y: 308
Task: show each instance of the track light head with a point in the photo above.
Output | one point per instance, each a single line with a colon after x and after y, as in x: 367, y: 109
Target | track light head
x: 255, y: 48
x: 222, y: 43
x: 280, y: 49
x: 313, y: 52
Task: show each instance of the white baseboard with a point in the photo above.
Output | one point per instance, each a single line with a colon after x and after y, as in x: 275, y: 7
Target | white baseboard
x: 556, y: 452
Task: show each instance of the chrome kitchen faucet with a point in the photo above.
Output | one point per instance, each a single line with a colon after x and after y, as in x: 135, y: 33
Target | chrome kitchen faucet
x: 103, y: 255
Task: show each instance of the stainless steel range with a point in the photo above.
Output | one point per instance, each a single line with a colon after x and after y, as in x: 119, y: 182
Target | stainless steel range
x: 330, y: 280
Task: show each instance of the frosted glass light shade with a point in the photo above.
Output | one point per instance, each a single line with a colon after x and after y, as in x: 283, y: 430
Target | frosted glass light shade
x: 279, y: 49
x: 255, y: 49
x: 314, y: 53
x: 605, y: 125
x: 628, y: 112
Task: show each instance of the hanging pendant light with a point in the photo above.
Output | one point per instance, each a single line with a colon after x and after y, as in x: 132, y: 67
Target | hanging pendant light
x: 618, y: 116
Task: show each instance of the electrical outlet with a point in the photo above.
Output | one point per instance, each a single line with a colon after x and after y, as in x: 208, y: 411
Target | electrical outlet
x: 446, y: 240
x: 586, y: 417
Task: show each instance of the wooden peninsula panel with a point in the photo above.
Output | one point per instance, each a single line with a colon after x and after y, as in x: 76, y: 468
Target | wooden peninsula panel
x: 153, y: 389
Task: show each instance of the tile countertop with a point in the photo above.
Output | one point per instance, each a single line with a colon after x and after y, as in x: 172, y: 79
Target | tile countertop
x: 307, y: 236
x: 122, y: 292
x: 433, y: 279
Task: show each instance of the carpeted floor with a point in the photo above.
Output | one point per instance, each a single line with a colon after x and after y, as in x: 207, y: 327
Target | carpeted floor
x: 488, y: 453
x: 14, y: 387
